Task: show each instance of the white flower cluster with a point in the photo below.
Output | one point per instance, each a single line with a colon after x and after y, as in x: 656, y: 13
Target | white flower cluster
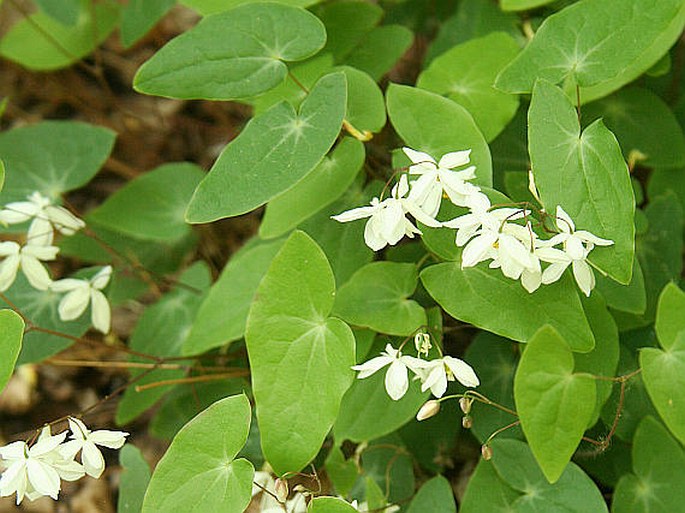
x: 433, y: 374
x: 264, y: 480
x: 38, y: 470
x: 45, y: 218
x: 486, y: 232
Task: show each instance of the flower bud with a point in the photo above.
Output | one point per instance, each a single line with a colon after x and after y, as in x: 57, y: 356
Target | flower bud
x: 466, y: 422
x: 429, y: 409
x: 486, y: 451
x: 465, y: 404
x: 281, y: 489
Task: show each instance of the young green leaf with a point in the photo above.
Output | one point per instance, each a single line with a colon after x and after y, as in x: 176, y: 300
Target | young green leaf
x: 658, y: 483
x: 52, y: 157
x: 233, y: 54
x: 669, y: 315
x: 222, y: 316
x: 199, y: 470
x: 598, y: 45
x: 376, y: 297
x: 65, y: 11
x: 330, y: 505
x: 134, y: 478
x: 416, y: 115
x: 153, y: 205
x: 585, y: 174
x: 379, y: 49
x: 435, y: 496
x: 11, y: 335
x: 663, y: 371
x: 139, y: 16
x: 342, y: 473
x: 486, y: 491
x: 273, y: 152
x: 468, y: 295
x: 32, y: 41
x: 631, y: 298
x: 554, y: 404
x: 483, y: 58
x: 300, y: 357
x: 522, y: 5
x: 574, y: 492
x: 326, y: 183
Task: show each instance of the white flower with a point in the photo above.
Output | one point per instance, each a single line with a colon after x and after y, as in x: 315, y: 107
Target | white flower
x: 30, y: 470
x: 436, y: 373
x: 438, y: 177
x: 27, y: 257
x: 86, y: 441
x: 577, y: 245
x: 82, y: 292
x: 396, y: 380
x: 481, y: 217
x: 45, y: 216
x: 388, y: 222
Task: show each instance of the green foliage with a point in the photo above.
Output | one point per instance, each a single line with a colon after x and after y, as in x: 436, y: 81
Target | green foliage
x: 416, y: 114
x: 484, y: 57
x: 250, y: 44
x: 435, y: 496
x: 139, y: 16
x: 135, y: 477
x: 300, y: 357
x: 216, y: 480
x: 52, y: 157
x: 65, y: 11
x: 153, y: 205
x: 11, y: 335
x: 377, y: 297
x: 554, y: 403
x: 465, y: 295
x: 598, y: 46
x: 585, y: 174
x: 273, y: 152
x: 41, y: 43
x: 329, y: 505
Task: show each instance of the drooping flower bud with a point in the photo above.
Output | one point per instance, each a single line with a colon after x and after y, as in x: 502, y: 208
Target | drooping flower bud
x: 429, y: 409
x: 467, y: 422
x: 281, y: 489
x: 486, y: 451
x: 465, y: 404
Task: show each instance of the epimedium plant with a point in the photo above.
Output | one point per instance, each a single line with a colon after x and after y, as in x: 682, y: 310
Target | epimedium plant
x: 489, y: 258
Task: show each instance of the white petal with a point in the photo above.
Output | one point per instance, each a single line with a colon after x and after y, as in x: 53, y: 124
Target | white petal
x: 396, y: 381
x: 8, y: 271
x: 436, y: 380
x: 9, y: 247
x: 589, y: 237
x: 40, y: 252
x: 69, y: 448
x: 92, y: 460
x: 564, y: 221
x: 552, y: 255
x: 43, y: 478
x: 40, y: 232
x: 13, y: 480
x: 66, y: 222
x: 584, y: 276
x: 478, y: 202
x: 478, y: 249
x: 574, y: 247
x: 108, y: 438
x: 101, y: 314
x: 418, y: 157
x: 420, y: 215
x: 68, y: 284
x: 35, y: 273
x: 19, y: 212
x: 79, y: 431
x: 74, y: 304
x: 372, y: 236
x: 391, y: 222
x: 69, y: 470
x: 47, y: 444
x: 354, y: 214
x: 368, y: 368
x: 554, y: 272
x: 401, y: 188
x: 13, y: 451
x: 455, y: 159
x: 531, y: 280
x: 101, y: 279
x: 462, y: 371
